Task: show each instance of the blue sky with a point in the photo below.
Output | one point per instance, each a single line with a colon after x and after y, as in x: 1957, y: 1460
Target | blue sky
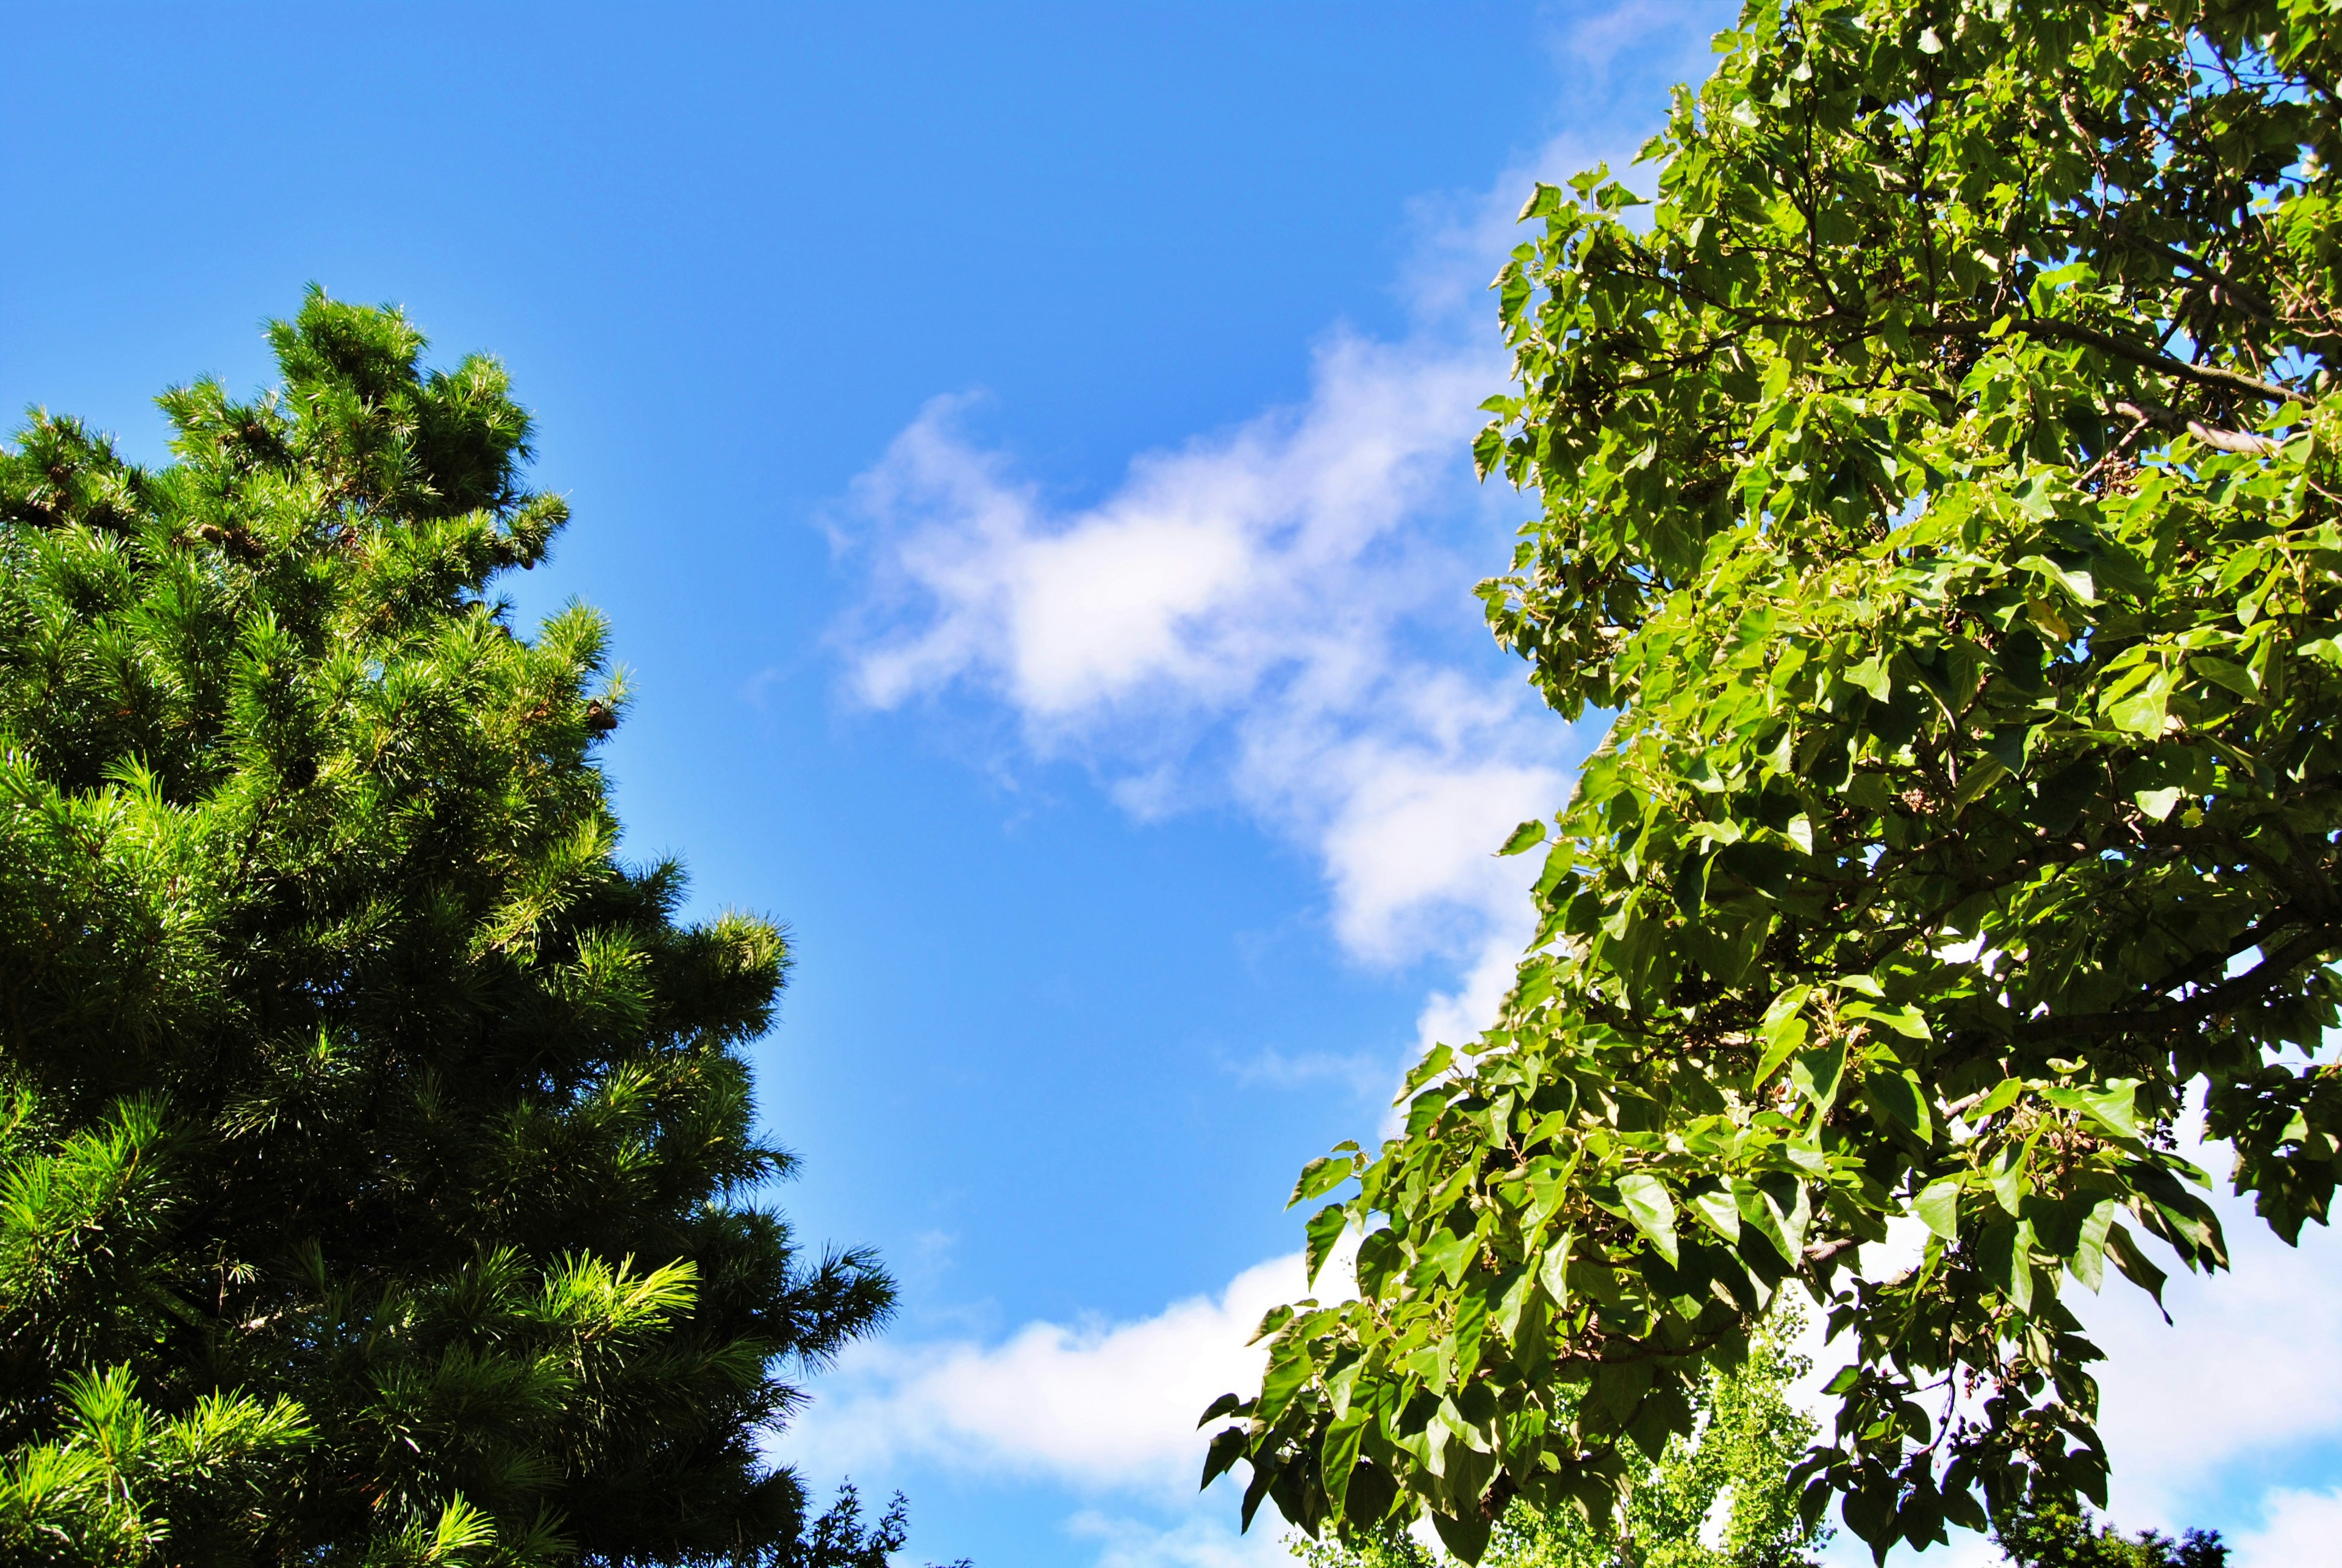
x: 1020, y: 449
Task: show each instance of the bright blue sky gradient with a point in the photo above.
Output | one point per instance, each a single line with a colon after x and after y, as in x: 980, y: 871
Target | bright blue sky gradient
x: 1057, y: 1057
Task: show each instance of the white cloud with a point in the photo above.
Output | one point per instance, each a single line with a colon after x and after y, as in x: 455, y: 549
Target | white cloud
x: 1200, y: 1540
x: 1267, y: 617
x: 2250, y: 1365
x: 1209, y: 570
x: 1105, y: 1407
x: 2301, y: 1528
x: 2192, y: 1412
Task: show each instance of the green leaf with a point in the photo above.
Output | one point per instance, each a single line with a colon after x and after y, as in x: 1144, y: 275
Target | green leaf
x: 2004, y: 1094
x: 1871, y: 675
x: 1779, y: 1208
x: 2087, y: 1260
x: 1651, y: 1210
x: 1898, y: 1095
x: 1339, y: 1456
x: 2144, y: 710
x: 1450, y: 1254
x: 1715, y: 1206
x: 1318, y: 1177
x: 1227, y: 1446
x: 1274, y: 1318
x: 1435, y: 1062
x: 1288, y: 1372
x: 1938, y: 1205
x: 1905, y: 1020
x: 1553, y: 1268
x: 1466, y: 1537
x: 1783, y: 1032
x: 1815, y: 1073
x: 1324, y: 1230
x: 2111, y: 1105
x: 1527, y: 837
x: 2137, y: 1266
x: 2226, y: 673
x: 1226, y: 1404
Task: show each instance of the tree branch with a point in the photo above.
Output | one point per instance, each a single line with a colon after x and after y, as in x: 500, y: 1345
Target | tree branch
x: 2258, y: 979
x: 2202, y: 375
x: 2242, y: 442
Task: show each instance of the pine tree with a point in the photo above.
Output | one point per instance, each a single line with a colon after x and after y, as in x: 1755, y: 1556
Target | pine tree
x: 378, y: 1180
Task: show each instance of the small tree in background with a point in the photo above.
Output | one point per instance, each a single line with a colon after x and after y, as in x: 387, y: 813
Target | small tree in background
x: 2054, y: 1535
x: 1718, y: 1499
x: 378, y: 1168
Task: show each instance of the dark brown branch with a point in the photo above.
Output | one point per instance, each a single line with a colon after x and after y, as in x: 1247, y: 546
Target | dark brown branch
x: 2202, y: 375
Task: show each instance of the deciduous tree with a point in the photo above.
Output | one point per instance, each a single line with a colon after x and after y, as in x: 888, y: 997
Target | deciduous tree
x: 1939, y: 486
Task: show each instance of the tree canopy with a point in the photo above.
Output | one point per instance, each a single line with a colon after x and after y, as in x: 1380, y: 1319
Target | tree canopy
x: 1939, y: 486
x: 379, y: 1180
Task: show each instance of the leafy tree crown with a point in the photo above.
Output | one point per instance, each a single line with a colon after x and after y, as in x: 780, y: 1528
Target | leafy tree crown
x: 1940, y: 488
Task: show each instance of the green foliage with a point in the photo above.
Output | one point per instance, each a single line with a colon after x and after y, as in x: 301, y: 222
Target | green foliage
x: 378, y: 1169
x: 1940, y: 489
x: 2055, y: 1536
x: 1734, y: 1468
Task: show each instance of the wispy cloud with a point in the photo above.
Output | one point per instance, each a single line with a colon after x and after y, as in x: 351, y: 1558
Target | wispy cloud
x: 1271, y: 616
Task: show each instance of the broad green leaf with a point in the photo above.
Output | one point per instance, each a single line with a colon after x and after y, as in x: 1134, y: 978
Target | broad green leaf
x: 1871, y: 675
x: 2087, y: 1260
x: 1527, y: 837
x: 2110, y: 1104
x: 1783, y: 1032
x: 1715, y: 1206
x: 1450, y: 1254
x: 2135, y: 1265
x: 1319, y: 1177
x: 1227, y: 1446
x: 1905, y: 1020
x: 1553, y: 1268
x: 1815, y: 1073
x: 1900, y: 1098
x: 1651, y: 1209
x: 2144, y: 710
x: 1938, y: 1205
x: 2003, y: 1095
x: 1435, y: 1062
x: 2228, y: 673
x: 1324, y: 1230
x: 1226, y: 1404
x: 1340, y: 1455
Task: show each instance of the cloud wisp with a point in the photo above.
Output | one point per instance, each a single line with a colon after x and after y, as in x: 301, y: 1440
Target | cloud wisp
x: 1242, y: 620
